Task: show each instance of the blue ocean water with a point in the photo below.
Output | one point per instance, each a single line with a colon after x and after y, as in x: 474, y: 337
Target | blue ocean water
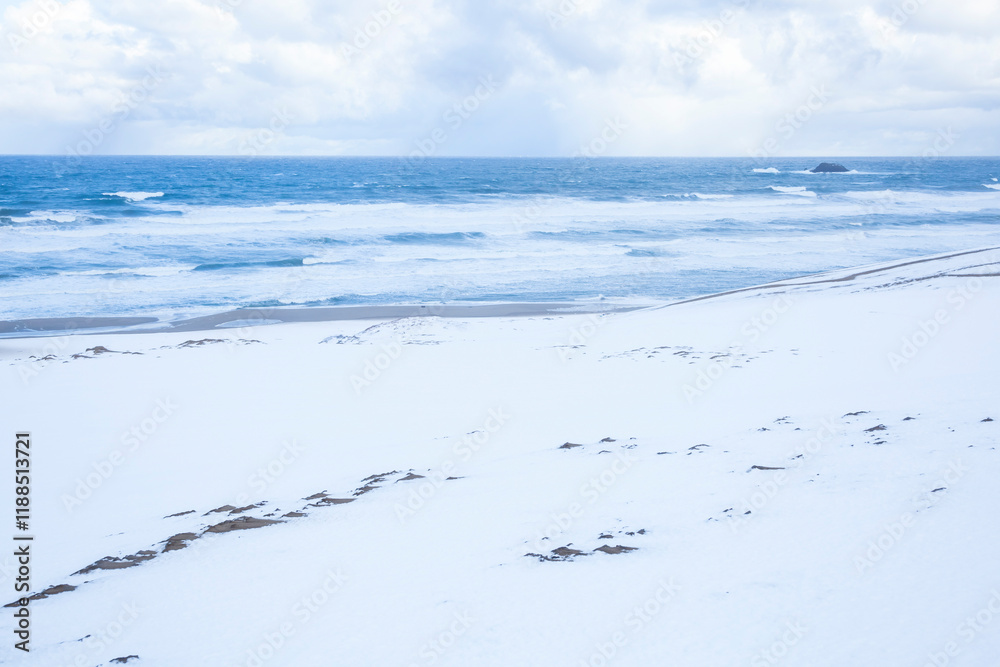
x: 175, y: 237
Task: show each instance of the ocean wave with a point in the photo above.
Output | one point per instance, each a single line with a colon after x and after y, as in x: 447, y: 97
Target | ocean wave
x: 318, y: 261
x: 34, y: 217
x: 993, y: 186
x: 7, y: 212
x: 278, y: 263
x: 698, y: 195
x: 131, y: 272
x: 648, y: 252
x: 431, y: 238
x: 326, y: 240
x: 799, y: 190
x: 133, y: 196
x: 768, y: 170
x: 913, y: 197
x: 598, y: 234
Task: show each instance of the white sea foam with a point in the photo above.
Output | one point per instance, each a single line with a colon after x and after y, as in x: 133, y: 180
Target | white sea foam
x: 134, y: 196
x: 799, y: 190
x: 768, y: 170
x: 145, y: 271
x: 708, y: 197
x: 994, y: 186
x: 41, y: 216
x: 964, y: 201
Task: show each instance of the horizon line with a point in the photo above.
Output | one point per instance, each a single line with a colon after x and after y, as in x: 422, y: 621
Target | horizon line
x: 499, y: 157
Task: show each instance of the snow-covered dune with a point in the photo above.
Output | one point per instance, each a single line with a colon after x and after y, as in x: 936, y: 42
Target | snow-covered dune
x: 798, y: 474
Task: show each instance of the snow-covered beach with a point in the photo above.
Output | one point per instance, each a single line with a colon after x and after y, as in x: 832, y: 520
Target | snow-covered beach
x: 799, y: 474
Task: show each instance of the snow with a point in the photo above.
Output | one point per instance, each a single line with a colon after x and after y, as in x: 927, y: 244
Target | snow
x: 869, y: 547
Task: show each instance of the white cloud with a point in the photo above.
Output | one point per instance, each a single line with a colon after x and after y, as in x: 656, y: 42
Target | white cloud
x: 688, y: 78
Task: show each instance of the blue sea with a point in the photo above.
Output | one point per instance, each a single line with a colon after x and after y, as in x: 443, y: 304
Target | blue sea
x: 174, y: 237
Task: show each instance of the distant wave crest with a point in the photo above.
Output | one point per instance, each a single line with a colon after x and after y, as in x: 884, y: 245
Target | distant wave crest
x: 434, y: 238
x: 647, y: 252
x: 245, y: 265
x: 133, y: 196
x: 698, y: 195
x: 793, y: 190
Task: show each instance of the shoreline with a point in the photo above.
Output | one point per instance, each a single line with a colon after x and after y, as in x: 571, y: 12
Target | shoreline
x: 250, y: 317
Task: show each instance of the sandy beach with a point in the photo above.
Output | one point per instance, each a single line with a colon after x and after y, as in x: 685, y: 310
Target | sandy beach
x: 802, y: 473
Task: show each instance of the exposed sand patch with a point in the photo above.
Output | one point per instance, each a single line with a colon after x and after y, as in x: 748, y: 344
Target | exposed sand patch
x: 615, y: 550
x: 243, y: 523
x: 112, y: 563
x: 48, y: 592
x: 179, y: 541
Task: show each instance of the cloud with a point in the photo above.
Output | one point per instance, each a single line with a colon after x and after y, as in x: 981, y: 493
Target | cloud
x: 712, y: 77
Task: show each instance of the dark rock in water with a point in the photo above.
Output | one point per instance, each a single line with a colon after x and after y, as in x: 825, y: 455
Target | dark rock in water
x: 828, y: 167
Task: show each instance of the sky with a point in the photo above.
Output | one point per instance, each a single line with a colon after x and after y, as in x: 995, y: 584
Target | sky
x: 501, y: 77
